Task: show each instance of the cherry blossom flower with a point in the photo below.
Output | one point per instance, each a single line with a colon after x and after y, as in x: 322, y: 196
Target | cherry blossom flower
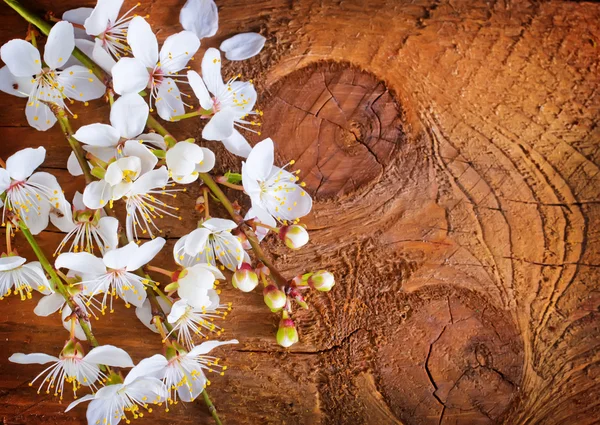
x: 195, y: 282
x: 230, y: 103
x: 186, y: 160
x: 112, y: 403
x: 212, y: 241
x: 273, y: 190
x: 154, y: 70
x: 243, y: 46
x: 112, y: 275
x: 191, y: 321
x: 123, y: 137
x: 73, y: 367
x: 106, y: 28
x: 31, y: 196
x: 201, y: 17
x: 24, y: 76
x: 22, y: 278
x: 87, y: 228
x: 183, y: 372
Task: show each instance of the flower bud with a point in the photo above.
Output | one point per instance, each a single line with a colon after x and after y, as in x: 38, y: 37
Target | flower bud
x: 245, y: 279
x: 287, y: 335
x: 294, y: 236
x: 275, y: 298
x: 322, y: 280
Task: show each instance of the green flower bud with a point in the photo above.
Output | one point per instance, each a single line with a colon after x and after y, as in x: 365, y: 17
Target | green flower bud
x: 287, y: 335
x: 294, y: 236
x: 274, y: 297
x: 245, y: 279
x: 322, y: 280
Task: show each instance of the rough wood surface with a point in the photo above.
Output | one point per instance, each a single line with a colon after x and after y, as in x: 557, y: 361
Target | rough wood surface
x: 453, y: 149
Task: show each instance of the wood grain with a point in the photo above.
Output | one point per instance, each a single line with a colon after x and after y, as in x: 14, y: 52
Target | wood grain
x: 453, y: 151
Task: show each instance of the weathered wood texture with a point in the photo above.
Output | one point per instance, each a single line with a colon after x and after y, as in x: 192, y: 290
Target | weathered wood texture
x: 453, y: 149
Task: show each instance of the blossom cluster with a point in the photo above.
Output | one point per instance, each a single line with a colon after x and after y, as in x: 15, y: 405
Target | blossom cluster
x: 134, y: 169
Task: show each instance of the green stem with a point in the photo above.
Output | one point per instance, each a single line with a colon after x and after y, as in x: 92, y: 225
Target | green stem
x: 58, y: 285
x: 197, y: 113
x: 156, y: 126
x: 45, y: 28
x: 63, y: 120
x: 211, y: 407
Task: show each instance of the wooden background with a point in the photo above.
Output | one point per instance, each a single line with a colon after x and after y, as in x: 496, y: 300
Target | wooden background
x: 453, y: 150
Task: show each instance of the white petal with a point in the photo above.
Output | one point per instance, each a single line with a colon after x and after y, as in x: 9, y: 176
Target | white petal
x: 243, y: 46
x: 24, y: 162
x: 151, y: 180
x: 73, y: 165
x: 129, y: 114
x: 108, y: 230
x: 78, y: 201
x: 97, y: 194
x: 179, y: 308
x: 183, y: 157
x: 105, y: 13
x: 4, y: 180
x: 211, y: 71
x: 49, y: 304
x: 101, y: 56
x: 143, y: 42
x: 82, y: 262
x: 200, y: 90
x: 16, y: 86
x: 177, y: 50
x: 144, y: 313
x: 208, y: 346
x: 237, y: 144
x: 21, y: 58
x: 168, y: 102
x: 260, y: 160
x: 109, y: 355
x: 245, y: 94
x: 11, y: 262
x: 130, y: 75
x: 60, y: 45
x: 86, y: 397
x: 78, y: 16
x: 219, y: 224
x: 81, y: 85
x: 152, y: 388
x: 153, y: 139
x: 102, y: 135
x: 115, y: 171
x: 145, y: 253
x: 33, y: 358
x: 117, y: 259
x: 151, y: 367
x: 196, y: 241
x: 83, y: 44
x: 208, y: 162
x: 201, y: 17
x: 39, y: 116
x: 147, y: 159
x: 220, y: 125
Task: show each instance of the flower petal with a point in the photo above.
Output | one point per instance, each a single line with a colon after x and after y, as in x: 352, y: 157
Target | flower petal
x: 86, y: 397
x: 21, y: 58
x: 144, y: 313
x: 183, y: 157
x: 80, y: 84
x: 145, y: 253
x: 33, y: 358
x: 118, y: 259
x: 60, y: 45
x: 101, y: 56
x: 129, y: 114
x: 97, y: 194
x: 168, y: 101
x: 39, y: 116
x: 78, y: 16
x: 219, y: 224
x: 220, y: 125
x: 24, y: 162
x: 130, y: 75
x: 154, y: 140
x: 147, y: 159
x: 151, y: 367
x: 109, y: 355
x: 243, y: 46
x: 177, y: 50
x: 108, y: 230
x: 105, y: 13
x: 73, y: 165
x: 207, y: 163
x: 208, y: 346
x: 237, y: 144
x: 260, y: 161
x: 200, y: 90
x: 49, y: 304
x: 4, y: 180
x: 211, y: 71
x: 201, y: 17
x: 151, y: 180
x: 11, y: 262
x: 16, y: 86
x: 196, y: 241
x: 82, y: 262
x: 143, y: 42
x: 102, y: 135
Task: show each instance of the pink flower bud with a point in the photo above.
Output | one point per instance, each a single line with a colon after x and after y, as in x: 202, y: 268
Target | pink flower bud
x: 287, y: 335
x: 274, y: 297
x: 245, y: 279
x: 322, y: 280
x: 294, y: 236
